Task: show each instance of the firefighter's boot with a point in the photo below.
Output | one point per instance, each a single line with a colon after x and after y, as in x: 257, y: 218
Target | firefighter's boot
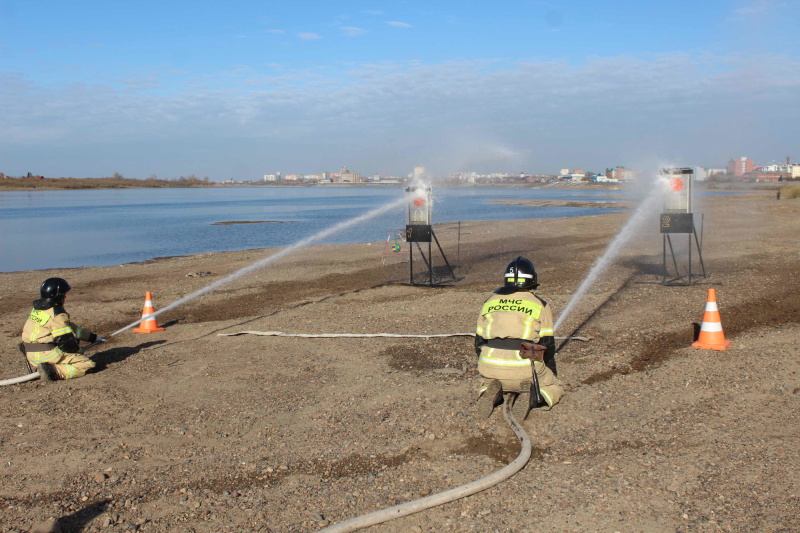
x: 48, y: 372
x: 490, y: 398
x: 522, y: 401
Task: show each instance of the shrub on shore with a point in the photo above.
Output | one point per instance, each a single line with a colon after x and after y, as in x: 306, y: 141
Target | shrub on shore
x: 36, y: 182
x: 790, y: 191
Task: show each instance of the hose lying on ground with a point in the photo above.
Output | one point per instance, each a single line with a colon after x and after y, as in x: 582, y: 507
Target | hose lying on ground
x: 21, y: 379
x: 364, y: 335
x: 405, y: 509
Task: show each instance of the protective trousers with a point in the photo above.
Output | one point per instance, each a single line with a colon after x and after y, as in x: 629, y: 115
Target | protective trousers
x: 550, y: 386
x: 71, y: 365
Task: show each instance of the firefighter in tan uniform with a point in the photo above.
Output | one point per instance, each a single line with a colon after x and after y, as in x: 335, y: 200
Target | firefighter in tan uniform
x: 51, y: 341
x: 516, y: 347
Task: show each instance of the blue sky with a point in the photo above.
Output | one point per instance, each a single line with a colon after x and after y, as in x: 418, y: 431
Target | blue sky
x: 238, y: 89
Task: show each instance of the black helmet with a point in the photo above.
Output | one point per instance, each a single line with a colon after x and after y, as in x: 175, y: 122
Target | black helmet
x: 521, y: 274
x: 54, y: 290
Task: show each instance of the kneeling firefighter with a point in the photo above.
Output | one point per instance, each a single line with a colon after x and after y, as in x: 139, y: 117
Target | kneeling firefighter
x: 50, y: 340
x: 515, y: 345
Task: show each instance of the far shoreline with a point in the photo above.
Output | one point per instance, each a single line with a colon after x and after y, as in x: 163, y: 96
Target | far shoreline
x: 591, y: 186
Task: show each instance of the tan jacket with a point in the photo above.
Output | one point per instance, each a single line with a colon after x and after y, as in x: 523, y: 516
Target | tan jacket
x: 518, y: 316
x: 40, y: 332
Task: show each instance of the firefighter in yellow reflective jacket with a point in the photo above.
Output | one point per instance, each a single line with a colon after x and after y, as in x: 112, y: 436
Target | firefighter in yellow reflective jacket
x: 50, y: 340
x: 516, y: 347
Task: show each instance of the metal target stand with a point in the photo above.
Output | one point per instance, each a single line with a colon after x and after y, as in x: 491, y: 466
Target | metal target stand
x: 419, y: 230
x: 678, y: 218
x: 679, y: 223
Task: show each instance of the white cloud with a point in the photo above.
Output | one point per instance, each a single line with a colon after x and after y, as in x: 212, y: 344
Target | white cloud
x: 754, y: 8
x: 308, y: 36
x: 479, y: 115
x: 398, y: 24
x: 141, y: 83
x: 352, y: 31
x: 275, y: 31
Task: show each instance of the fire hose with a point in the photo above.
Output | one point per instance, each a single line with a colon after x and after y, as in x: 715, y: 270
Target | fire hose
x: 434, y: 500
x: 366, y: 335
x: 415, y: 506
x: 441, y: 498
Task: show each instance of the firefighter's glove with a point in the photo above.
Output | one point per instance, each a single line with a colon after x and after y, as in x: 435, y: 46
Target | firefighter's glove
x: 534, y: 352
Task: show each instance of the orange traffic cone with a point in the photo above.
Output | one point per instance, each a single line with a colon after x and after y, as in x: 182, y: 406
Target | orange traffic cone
x: 711, y: 336
x: 148, y: 323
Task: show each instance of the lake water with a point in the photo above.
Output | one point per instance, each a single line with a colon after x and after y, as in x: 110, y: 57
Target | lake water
x: 66, y: 229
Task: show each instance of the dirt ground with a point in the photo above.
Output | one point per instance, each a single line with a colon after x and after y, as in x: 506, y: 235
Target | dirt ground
x: 187, y: 430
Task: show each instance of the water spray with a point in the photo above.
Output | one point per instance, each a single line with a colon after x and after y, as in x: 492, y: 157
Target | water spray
x: 274, y: 257
x: 648, y: 206
x: 239, y: 273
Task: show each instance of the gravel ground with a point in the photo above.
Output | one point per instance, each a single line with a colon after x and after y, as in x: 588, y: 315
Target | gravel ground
x: 187, y: 430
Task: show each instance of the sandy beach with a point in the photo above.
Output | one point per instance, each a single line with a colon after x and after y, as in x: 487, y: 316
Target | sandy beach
x: 190, y: 430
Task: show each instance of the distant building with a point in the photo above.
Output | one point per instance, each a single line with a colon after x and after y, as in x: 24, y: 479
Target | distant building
x: 740, y: 166
x: 703, y: 173
x: 621, y: 174
x: 578, y: 175
x: 271, y: 177
x: 766, y: 176
x: 347, y: 176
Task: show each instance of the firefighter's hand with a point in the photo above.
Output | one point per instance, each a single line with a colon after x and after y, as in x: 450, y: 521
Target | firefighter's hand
x: 534, y: 352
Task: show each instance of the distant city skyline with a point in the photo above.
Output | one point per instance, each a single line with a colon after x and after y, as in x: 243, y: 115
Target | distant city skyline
x: 242, y: 88
x: 418, y: 172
